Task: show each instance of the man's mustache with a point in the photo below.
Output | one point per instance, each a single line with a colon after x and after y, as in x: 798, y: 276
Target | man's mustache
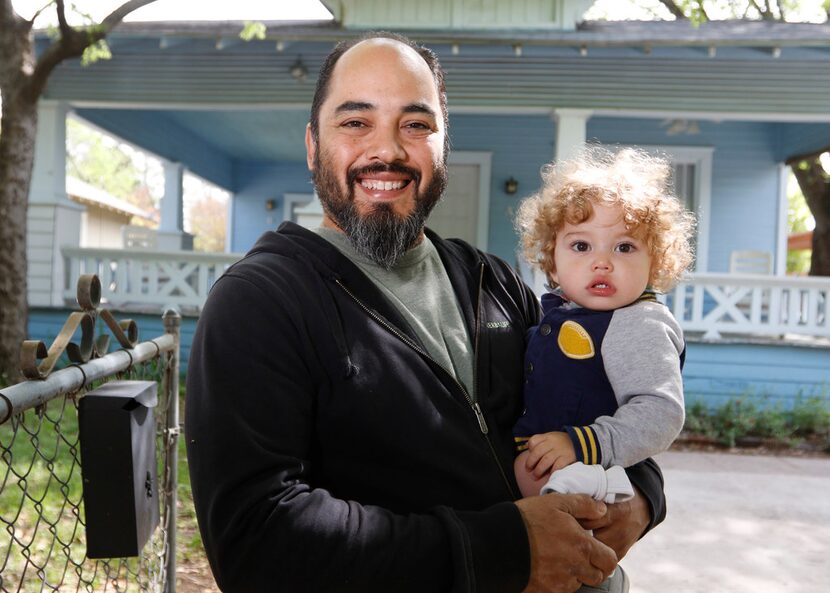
x: 353, y: 174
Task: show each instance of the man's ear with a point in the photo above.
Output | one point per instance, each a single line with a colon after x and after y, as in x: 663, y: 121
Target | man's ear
x: 310, y: 147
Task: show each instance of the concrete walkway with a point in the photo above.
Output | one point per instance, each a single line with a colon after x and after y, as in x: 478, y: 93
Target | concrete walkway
x: 738, y: 524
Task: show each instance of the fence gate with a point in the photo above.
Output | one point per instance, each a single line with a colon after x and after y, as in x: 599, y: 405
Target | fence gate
x: 42, y: 525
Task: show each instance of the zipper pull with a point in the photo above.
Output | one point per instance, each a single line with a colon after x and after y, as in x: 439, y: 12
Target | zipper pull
x: 482, y: 424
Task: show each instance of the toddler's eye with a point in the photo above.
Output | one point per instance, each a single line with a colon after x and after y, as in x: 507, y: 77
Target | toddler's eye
x: 580, y: 246
x: 626, y: 248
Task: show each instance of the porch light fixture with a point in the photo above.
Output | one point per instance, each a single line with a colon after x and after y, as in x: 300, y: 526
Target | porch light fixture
x: 511, y: 186
x: 298, y: 70
x: 776, y: 52
x: 583, y: 50
x: 280, y: 45
x: 270, y: 204
x: 455, y: 49
x: 517, y: 50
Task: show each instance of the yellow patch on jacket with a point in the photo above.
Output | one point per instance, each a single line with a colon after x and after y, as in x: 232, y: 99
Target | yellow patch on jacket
x: 575, y: 341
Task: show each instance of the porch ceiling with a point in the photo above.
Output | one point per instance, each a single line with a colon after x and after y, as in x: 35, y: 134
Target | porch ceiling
x: 239, y: 102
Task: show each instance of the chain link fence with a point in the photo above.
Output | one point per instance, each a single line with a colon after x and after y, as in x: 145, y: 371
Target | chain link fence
x: 42, y: 537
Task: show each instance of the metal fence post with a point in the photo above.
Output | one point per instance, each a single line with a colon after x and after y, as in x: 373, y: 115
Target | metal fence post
x: 172, y: 326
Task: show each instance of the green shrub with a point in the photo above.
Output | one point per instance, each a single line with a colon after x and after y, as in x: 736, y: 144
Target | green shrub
x: 744, y: 416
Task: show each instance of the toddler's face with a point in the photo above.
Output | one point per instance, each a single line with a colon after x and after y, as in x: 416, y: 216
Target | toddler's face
x: 600, y: 264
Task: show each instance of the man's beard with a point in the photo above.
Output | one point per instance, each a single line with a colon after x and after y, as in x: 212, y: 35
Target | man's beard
x: 380, y: 234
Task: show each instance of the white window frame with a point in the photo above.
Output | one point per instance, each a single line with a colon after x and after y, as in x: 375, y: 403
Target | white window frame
x: 701, y: 158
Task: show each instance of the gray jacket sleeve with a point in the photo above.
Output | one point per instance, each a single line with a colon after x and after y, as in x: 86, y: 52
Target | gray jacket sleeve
x: 641, y: 353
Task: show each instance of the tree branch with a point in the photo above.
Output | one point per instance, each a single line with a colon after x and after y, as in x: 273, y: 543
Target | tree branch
x: 62, y: 24
x: 73, y: 42
x: 674, y: 9
x: 40, y: 10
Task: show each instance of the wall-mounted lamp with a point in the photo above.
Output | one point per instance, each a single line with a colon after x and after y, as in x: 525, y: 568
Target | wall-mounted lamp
x: 270, y: 204
x: 511, y: 186
x: 298, y: 70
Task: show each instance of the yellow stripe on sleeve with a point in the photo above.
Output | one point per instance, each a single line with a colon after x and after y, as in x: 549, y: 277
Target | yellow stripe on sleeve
x: 593, y: 445
x: 578, y: 432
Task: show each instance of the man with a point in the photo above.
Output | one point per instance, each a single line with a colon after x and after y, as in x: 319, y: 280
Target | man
x: 362, y: 439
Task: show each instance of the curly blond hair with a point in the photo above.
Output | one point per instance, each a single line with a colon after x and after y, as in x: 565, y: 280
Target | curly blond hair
x: 632, y: 179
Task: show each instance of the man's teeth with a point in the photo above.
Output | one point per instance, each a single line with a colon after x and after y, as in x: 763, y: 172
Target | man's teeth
x: 384, y: 185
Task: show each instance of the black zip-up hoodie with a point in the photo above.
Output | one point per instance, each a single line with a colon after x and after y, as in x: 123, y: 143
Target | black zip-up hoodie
x: 328, y: 452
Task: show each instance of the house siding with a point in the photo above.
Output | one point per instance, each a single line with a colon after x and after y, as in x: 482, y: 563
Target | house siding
x: 768, y: 374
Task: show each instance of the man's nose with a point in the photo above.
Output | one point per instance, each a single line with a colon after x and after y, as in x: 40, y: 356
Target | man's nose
x: 386, y: 145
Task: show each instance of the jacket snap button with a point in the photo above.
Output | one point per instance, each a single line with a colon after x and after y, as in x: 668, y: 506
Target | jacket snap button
x: 544, y: 329
x: 530, y: 367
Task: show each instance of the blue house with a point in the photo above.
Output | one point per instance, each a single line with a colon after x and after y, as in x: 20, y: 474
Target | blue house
x: 528, y: 81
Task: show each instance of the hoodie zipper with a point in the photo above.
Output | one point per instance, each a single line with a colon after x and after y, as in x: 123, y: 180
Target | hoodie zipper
x: 482, y: 423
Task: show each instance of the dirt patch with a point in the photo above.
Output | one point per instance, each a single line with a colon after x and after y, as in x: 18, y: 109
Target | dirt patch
x: 194, y: 576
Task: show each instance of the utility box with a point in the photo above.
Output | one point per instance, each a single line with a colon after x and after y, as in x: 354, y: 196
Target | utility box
x: 118, y: 465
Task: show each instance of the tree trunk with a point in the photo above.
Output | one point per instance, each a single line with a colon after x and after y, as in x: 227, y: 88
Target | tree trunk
x: 815, y: 185
x: 17, y: 149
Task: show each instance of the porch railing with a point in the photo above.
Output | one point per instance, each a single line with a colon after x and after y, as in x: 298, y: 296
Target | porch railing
x: 147, y: 277
x: 718, y: 304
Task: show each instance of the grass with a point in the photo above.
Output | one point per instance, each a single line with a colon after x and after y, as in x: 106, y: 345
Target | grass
x: 744, y: 418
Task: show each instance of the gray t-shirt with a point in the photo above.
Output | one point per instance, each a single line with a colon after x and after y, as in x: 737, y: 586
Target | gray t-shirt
x: 420, y: 289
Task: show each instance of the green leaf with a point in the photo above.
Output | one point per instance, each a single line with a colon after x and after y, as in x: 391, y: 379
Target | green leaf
x: 97, y: 51
x: 252, y: 30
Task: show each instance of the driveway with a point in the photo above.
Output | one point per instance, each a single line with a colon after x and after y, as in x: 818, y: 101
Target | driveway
x: 738, y: 524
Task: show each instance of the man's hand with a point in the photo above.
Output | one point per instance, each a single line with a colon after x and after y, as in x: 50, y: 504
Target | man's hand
x: 562, y: 554
x: 622, y: 525
x: 548, y: 452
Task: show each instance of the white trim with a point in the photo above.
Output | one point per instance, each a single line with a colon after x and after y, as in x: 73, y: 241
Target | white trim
x: 780, y: 263
x: 229, y: 220
x: 701, y: 158
x: 289, y: 200
x: 484, y: 161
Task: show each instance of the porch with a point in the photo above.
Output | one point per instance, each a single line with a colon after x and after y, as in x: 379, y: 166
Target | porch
x: 709, y: 306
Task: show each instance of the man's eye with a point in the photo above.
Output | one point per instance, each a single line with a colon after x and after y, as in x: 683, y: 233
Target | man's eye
x: 418, y: 125
x: 580, y: 246
x: 626, y: 248
x: 353, y: 124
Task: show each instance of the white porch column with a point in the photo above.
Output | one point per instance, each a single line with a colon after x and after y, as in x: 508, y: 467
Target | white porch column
x: 171, y: 235
x: 571, y: 126
x: 571, y: 131
x: 52, y: 220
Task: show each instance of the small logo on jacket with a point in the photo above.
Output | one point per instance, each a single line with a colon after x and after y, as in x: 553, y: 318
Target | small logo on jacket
x: 498, y: 324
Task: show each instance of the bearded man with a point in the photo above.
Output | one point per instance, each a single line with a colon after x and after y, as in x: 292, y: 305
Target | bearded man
x: 351, y: 391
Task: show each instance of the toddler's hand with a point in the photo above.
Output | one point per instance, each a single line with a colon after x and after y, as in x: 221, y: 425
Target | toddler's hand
x: 549, y: 452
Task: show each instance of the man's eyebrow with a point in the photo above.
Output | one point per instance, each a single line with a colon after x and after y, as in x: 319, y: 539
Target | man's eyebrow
x: 419, y: 108
x: 354, y: 106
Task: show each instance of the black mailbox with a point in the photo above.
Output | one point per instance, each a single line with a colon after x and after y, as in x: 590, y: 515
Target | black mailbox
x: 118, y: 466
